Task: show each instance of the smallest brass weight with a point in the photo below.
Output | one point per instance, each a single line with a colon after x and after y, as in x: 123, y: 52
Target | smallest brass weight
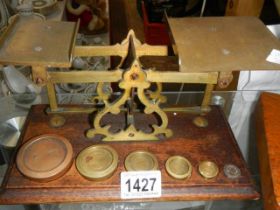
x: 57, y: 121
x: 208, y: 169
x: 141, y: 161
x: 232, y: 171
x: 178, y: 167
x: 200, y: 121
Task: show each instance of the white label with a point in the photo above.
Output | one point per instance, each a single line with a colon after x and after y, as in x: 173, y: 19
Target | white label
x: 274, y: 56
x: 140, y: 184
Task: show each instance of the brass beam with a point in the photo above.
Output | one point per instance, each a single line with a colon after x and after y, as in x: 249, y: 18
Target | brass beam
x: 85, y: 76
x: 119, y: 50
x: 116, y: 75
x: 87, y: 51
x: 149, y: 50
x: 179, y: 77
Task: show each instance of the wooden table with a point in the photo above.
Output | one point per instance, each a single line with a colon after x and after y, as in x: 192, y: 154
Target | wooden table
x: 268, y: 132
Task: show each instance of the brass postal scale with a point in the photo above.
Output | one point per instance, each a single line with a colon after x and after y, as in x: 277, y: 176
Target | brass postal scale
x: 76, y: 153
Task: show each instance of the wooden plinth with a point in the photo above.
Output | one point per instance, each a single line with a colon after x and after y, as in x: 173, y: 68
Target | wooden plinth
x: 215, y: 143
x: 268, y: 132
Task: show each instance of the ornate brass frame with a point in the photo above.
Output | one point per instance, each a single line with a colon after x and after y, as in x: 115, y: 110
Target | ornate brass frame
x: 131, y: 77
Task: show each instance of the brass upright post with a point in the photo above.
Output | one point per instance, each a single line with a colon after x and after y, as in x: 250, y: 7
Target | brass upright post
x: 207, y: 95
x: 52, y: 96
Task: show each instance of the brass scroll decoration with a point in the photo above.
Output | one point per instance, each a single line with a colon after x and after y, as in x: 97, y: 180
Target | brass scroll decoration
x: 133, y: 78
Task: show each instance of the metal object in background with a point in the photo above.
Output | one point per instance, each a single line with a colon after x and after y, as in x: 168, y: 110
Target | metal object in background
x: 275, y: 29
x: 97, y: 162
x: 208, y: 169
x: 141, y: 161
x: 218, y: 100
x: 9, y: 134
x: 10, y: 131
x: 178, y: 167
x: 45, y: 7
x: 16, y: 81
x: 4, y: 14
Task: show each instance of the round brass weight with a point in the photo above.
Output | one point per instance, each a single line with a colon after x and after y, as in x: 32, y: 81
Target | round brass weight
x: 178, y: 167
x: 45, y: 157
x: 57, y: 121
x: 141, y: 161
x: 97, y: 162
x: 208, y: 169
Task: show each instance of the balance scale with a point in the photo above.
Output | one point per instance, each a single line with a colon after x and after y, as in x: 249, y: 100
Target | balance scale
x: 193, y: 148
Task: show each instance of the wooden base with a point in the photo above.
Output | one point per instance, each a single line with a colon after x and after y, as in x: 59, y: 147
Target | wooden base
x: 215, y: 143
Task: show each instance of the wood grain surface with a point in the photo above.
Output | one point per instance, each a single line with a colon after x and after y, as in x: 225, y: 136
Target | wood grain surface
x: 268, y: 132
x: 215, y: 143
x: 244, y: 7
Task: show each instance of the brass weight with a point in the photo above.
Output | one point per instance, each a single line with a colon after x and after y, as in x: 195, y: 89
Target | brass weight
x: 141, y: 160
x: 178, y: 167
x: 208, y: 169
x: 97, y: 162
